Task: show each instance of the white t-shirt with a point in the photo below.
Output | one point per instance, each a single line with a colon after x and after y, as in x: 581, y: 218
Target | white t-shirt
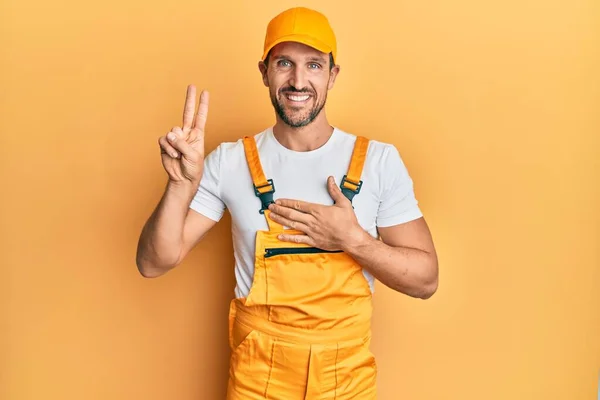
x: 386, y: 197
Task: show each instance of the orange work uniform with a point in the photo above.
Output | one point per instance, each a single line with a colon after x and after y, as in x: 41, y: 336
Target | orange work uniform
x: 304, y: 329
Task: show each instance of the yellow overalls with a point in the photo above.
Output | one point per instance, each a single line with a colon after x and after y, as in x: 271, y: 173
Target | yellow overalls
x: 303, y: 331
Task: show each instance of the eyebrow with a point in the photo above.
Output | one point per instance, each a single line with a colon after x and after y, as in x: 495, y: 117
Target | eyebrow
x: 312, y: 58
x: 319, y: 59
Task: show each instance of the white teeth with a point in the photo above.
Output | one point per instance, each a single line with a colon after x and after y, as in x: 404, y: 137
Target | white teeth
x: 298, y: 98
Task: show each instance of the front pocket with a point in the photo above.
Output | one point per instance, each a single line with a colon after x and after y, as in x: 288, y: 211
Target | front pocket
x: 356, y: 373
x: 305, y: 275
x: 250, y: 366
x: 242, y: 351
x: 313, y: 288
x: 246, y: 337
x: 302, y: 275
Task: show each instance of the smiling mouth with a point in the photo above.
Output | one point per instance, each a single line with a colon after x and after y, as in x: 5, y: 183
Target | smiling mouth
x: 297, y: 98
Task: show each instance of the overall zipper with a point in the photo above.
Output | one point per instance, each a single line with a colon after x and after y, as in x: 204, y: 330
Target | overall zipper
x: 296, y: 250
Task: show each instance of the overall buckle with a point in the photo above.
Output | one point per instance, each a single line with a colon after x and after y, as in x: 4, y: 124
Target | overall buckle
x: 266, y: 198
x: 349, y: 193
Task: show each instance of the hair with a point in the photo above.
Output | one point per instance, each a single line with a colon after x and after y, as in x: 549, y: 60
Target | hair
x: 331, y: 61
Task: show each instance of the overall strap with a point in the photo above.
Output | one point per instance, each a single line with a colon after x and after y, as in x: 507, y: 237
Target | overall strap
x: 263, y: 187
x: 351, y: 183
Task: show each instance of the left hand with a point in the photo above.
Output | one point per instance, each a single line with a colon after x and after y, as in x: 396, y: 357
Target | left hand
x: 332, y: 227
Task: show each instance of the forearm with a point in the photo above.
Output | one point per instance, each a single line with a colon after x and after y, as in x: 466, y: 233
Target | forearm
x: 406, y: 270
x: 161, y: 241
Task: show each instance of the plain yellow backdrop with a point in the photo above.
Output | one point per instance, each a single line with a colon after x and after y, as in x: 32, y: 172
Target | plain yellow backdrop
x: 494, y: 106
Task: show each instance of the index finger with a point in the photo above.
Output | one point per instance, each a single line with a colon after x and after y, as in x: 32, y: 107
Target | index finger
x: 297, y: 205
x: 202, y: 111
x: 190, y: 105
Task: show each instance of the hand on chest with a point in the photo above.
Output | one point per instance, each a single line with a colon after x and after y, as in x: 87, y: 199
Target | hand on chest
x: 299, y: 181
x: 272, y: 176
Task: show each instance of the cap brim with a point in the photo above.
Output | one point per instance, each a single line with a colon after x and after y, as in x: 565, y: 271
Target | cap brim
x: 307, y: 40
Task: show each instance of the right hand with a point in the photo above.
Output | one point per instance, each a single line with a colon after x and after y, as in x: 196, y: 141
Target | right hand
x: 182, y: 149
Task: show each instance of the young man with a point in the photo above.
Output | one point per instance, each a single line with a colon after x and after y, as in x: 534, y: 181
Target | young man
x: 317, y: 215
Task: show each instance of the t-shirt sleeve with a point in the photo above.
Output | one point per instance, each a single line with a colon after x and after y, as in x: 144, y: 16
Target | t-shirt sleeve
x: 397, y: 202
x: 207, y: 200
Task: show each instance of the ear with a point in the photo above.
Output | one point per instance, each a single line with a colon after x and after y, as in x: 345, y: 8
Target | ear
x: 262, y: 67
x: 332, y: 75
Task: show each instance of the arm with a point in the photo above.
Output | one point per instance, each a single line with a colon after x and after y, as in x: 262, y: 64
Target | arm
x: 404, y: 259
x: 173, y: 229
x: 171, y: 232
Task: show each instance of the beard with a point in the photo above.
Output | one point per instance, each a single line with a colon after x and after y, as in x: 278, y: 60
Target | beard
x: 297, y: 118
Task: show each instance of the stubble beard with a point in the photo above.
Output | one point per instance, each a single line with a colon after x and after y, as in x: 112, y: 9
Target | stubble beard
x: 296, y: 119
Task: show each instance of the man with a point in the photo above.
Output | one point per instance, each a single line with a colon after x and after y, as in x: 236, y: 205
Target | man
x: 307, y: 251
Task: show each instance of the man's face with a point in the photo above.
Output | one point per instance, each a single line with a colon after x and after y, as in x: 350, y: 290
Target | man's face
x: 298, y: 78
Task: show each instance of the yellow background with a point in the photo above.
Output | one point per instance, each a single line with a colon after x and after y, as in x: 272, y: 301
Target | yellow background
x: 494, y: 106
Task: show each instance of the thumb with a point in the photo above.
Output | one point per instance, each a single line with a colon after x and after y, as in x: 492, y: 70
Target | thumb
x: 335, y: 192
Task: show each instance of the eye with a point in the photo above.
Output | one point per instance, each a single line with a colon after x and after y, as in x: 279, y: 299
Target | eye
x: 314, y: 66
x: 284, y: 63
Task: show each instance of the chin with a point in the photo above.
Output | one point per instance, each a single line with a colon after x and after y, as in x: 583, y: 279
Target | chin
x: 298, y: 122
x: 296, y: 117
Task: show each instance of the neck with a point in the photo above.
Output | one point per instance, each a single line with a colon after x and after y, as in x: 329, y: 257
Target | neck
x: 306, y: 138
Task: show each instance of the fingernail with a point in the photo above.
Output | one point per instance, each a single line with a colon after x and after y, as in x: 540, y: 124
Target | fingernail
x: 171, y: 136
x: 175, y: 155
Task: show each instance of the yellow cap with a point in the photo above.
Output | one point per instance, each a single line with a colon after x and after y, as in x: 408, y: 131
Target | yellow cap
x: 301, y: 25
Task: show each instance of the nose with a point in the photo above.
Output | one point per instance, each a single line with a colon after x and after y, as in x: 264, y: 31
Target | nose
x: 298, y: 79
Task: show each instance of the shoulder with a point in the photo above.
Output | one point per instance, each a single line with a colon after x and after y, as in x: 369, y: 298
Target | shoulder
x: 378, y: 152
x: 232, y: 150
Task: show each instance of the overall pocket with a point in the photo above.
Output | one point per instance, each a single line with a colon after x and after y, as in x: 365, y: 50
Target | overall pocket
x: 313, y: 288
x: 356, y: 373
x: 299, y: 275
x: 309, y: 275
x: 250, y: 365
